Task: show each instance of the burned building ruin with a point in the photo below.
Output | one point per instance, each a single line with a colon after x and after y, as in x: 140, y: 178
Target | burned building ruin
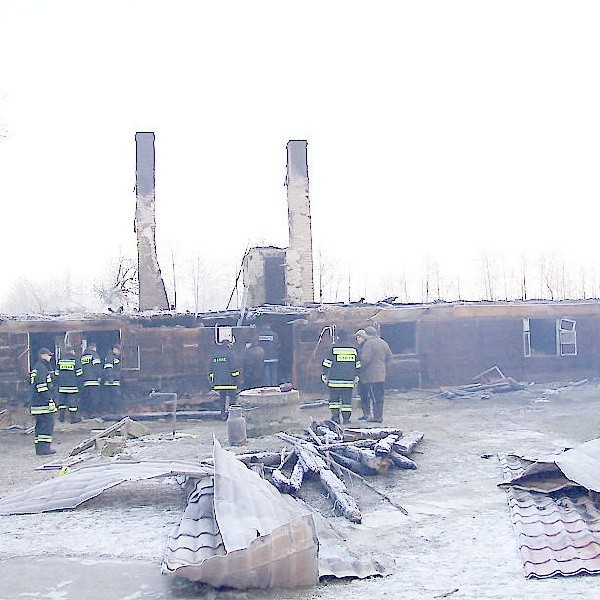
x: 285, y: 275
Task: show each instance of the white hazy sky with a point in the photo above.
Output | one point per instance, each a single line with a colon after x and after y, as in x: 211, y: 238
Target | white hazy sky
x: 437, y: 131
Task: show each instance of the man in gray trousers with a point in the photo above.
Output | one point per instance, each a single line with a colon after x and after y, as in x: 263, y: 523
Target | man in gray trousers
x: 375, y: 354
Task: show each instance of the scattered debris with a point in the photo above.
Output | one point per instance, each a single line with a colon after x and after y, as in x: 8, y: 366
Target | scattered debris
x: 126, y: 426
x: 237, y: 530
x: 490, y: 380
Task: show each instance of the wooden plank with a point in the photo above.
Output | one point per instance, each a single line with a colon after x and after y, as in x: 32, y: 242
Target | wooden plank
x: 89, y: 442
x: 406, y: 444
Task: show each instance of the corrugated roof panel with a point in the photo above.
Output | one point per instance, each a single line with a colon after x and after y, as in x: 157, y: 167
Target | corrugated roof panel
x: 555, y: 535
x: 582, y: 464
x: 70, y: 490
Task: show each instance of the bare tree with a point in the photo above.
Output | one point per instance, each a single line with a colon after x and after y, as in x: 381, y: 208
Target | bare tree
x: 120, y: 289
x: 488, y: 274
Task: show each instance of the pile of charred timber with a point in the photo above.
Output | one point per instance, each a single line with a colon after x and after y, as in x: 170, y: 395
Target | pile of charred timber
x: 328, y: 452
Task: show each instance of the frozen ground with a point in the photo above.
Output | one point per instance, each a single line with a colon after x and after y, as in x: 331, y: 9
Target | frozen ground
x: 457, y: 541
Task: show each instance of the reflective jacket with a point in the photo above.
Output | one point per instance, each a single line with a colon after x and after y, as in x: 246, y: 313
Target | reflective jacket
x: 224, y: 372
x: 92, y: 368
x: 341, y: 366
x: 41, y: 378
x: 112, y: 369
x: 68, y: 374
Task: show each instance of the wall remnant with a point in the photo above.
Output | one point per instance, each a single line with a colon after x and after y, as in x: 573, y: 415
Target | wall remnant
x: 264, y: 275
x: 153, y: 295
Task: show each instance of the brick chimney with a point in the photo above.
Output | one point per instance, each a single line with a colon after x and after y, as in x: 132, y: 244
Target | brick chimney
x: 299, y: 256
x: 153, y: 295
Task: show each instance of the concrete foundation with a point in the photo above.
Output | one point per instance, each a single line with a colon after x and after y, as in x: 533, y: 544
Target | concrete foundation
x: 268, y: 410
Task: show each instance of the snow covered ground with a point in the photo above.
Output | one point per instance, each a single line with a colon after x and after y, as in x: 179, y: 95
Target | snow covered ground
x: 456, y: 542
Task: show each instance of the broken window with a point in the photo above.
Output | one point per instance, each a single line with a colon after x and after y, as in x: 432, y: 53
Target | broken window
x: 567, y: 337
x: 549, y: 337
x: 401, y: 337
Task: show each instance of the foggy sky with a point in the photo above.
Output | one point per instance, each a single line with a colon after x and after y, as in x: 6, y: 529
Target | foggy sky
x: 438, y: 133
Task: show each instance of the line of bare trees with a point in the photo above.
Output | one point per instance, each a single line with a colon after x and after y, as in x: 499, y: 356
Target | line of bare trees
x: 489, y: 276
x: 200, y: 284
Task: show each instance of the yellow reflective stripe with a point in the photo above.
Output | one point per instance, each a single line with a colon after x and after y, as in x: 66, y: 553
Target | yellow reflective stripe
x: 344, y: 350
x: 96, y: 361
x: 68, y: 389
x: 334, y: 405
x: 327, y: 363
x: 89, y: 383
x: 43, y: 438
x: 340, y: 384
x: 108, y: 365
x: 225, y: 387
x: 42, y: 387
x: 235, y: 373
x: 112, y: 383
x: 41, y: 410
x: 346, y: 408
x: 79, y: 372
x: 358, y: 364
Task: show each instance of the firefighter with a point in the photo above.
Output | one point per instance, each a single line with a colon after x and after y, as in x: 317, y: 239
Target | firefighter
x: 340, y: 374
x: 42, y: 405
x: 111, y: 375
x: 68, y: 376
x: 224, y: 375
x: 92, y: 374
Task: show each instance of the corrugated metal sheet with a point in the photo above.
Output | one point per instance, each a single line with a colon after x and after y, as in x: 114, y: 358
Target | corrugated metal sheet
x: 283, y: 555
x: 241, y: 533
x: 576, y: 466
x: 70, y: 490
x: 556, y: 535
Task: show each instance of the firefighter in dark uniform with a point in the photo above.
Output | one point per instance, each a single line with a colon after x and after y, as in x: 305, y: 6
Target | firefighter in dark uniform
x: 111, y: 376
x: 91, y: 364
x: 340, y: 374
x: 68, y: 376
x: 224, y: 374
x: 42, y: 405
x: 269, y: 341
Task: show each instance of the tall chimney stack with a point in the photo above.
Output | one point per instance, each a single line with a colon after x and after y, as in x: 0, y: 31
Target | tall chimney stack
x: 153, y: 295
x: 299, y: 255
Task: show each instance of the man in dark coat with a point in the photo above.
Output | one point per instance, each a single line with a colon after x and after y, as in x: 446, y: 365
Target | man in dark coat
x: 253, y: 365
x: 269, y: 341
x: 224, y: 374
x: 41, y: 404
